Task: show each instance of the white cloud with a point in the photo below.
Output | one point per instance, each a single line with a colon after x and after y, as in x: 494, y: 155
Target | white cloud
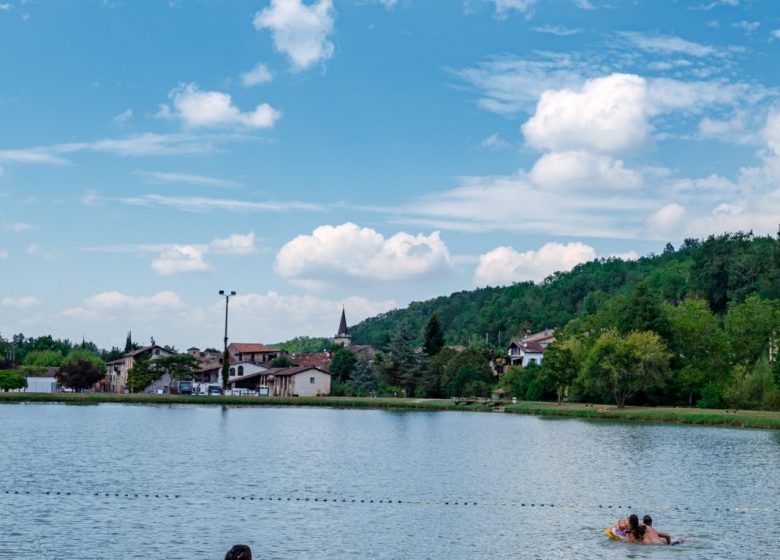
x: 118, y: 300
x: 34, y: 250
x: 746, y: 26
x: 608, y: 114
x: 504, y: 265
x: 260, y: 74
x: 123, y: 117
x: 494, y: 142
x: 215, y: 109
x: 181, y: 259
x: 332, y: 254
x: 667, y: 44
x: 185, y: 178
x: 20, y: 302
x: 558, y: 30
x: 583, y: 170
x: 19, y: 227
x: 300, y: 31
x: 774, y: 34
x: 200, y: 204
x: 667, y: 222
x: 3, y: 254
x: 504, y: 7
x: 5, y: 6
x: 584, y: 5
x: 234, y: 244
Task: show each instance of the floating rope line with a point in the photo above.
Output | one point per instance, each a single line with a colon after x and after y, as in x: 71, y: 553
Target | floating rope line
x: 383, y: 501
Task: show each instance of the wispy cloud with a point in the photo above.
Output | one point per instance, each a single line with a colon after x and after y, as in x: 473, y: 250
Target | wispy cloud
x: 19, y: 227
x: 158, y: 177
x: 667, y: 44
x: 123, y: 117
x: 200, y: 204
x: 20, y: 302
x: 559, y: 30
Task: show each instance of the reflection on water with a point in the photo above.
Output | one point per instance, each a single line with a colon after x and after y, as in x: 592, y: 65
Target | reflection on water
x: 215, y: 464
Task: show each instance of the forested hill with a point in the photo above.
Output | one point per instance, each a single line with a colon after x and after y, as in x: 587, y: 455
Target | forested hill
x: 722, y: 269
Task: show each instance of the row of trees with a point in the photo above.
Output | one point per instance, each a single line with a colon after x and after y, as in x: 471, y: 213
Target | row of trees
x: 80, y: 369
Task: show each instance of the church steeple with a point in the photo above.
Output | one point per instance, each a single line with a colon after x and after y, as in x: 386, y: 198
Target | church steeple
x: 342, y: 336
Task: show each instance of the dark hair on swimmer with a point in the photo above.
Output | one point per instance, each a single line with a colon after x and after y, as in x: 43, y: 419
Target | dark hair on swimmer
x: 634, y: 528
x: 239, y: 552
x: 647, y: 520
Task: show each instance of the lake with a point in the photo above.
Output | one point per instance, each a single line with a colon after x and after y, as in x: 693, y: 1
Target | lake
x: 187, y: 482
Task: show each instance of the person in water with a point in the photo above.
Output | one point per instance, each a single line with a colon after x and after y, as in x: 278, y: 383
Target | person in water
x: 654, y: 536
x: 239, y: 552
x: 618, y: 531
x: 636, y: 532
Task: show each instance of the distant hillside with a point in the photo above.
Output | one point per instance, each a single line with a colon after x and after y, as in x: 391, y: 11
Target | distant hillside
x: 722, y: 269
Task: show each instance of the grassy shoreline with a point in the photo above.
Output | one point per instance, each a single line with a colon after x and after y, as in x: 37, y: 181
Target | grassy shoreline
x: 741, y: 418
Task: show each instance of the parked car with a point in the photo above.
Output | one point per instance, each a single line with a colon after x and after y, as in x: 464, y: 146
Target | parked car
x: 215, y: 390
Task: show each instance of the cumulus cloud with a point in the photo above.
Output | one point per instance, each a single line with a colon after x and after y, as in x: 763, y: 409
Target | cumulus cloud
x: 348, y: 252
x: 181, y: 259
x: 583, y: 170
x: 214, y: 109
x: 667, y: 221
x: 607, y: 114
x: 234, y: 244
x: 505, y: 265
x: 260, y: 74
x: 20, y: 302
x: 300, y: 31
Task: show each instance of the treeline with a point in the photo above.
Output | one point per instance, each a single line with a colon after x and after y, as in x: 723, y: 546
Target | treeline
x: 696, y: 326
x: 722, y: 270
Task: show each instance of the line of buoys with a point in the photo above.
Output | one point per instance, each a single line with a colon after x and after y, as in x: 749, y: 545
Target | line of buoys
x: 383, y: 501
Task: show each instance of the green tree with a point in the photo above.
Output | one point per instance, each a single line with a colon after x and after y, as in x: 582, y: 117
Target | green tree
x: 142, y: 374
x: 750, y: 386
x: 80, y: 370
x: 43, y: 358
x: 129, y: 346
x: 698, y: 345
x: 627, y: 364
x: 11, y: 380
x: 433, y: 336
x: 560, y: 366
x: 642, y: 311
x: 177, y: 366
x: 401, y: 366
x: 342, y: 364
x: 749, y: 327
x: 364, y: 378
x: 281, y: 362
x: 469, y: 374
x: 435, y: 376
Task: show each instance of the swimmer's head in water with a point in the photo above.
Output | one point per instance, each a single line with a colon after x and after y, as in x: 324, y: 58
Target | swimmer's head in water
x: 239, y: 552
x: 647, y: 520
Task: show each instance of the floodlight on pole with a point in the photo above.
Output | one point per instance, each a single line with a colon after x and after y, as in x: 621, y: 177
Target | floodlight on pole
x: 225, y: 357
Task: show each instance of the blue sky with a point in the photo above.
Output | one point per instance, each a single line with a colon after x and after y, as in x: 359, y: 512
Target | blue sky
x: 364, y: 153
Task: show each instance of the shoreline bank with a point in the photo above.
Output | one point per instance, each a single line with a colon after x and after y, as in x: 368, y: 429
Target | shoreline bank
x: 693, y: 416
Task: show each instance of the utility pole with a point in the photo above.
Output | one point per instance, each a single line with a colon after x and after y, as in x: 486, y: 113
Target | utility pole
x: 225, y: 356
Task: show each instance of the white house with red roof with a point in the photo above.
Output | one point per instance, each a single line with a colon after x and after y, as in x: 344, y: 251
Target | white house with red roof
x: 530, y: 348
x: 298, y: 381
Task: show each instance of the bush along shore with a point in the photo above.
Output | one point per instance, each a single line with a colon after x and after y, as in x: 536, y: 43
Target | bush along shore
x: 709, y: 417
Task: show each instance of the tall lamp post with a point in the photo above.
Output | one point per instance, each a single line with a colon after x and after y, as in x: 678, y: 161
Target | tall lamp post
x: 225, y: 356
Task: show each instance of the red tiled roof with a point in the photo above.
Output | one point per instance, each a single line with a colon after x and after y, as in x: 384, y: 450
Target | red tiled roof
x: 316, y: 359
x: 251, y: 347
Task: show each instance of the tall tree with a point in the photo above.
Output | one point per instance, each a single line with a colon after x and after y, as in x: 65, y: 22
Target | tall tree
x: 142, y: 374
x: 43, y: 358
x: 627, y: 364
x: 699, y: 346
x: 342, y: 364
x: 642, y: 311
x: 560, y: 366
x: 402, y: 366
x: 433, y: 336
x: 80, y: 370
x: 750, y: 326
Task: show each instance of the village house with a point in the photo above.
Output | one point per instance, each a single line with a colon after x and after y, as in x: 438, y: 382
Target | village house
x: 530, y: 348
x: 253, y: 352
x: 298, y: 381
x: 116, y: 376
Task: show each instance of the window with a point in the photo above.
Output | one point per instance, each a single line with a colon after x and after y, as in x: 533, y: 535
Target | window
x: 232, y: 371
x: 240, y: 370
x: 311, y: 380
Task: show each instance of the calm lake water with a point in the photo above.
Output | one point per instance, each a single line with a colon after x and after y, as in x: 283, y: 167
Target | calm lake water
x: 210, y: 466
